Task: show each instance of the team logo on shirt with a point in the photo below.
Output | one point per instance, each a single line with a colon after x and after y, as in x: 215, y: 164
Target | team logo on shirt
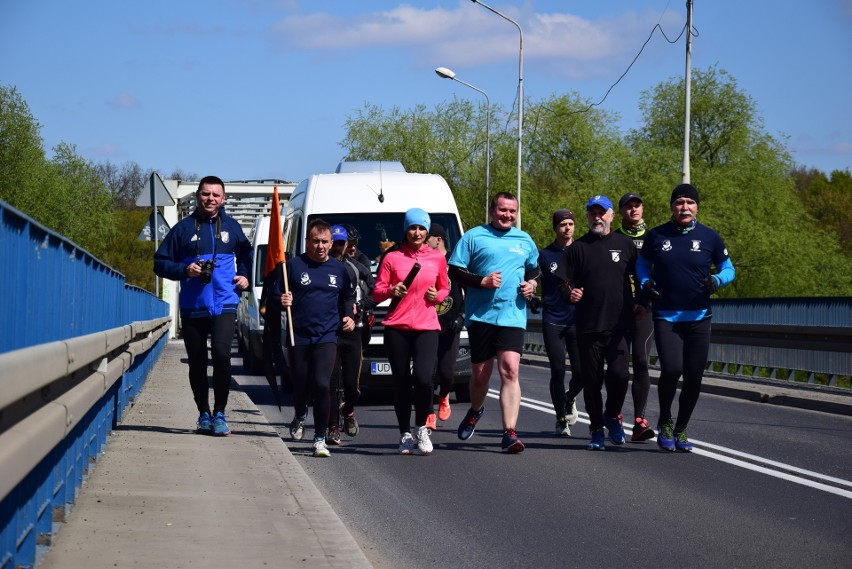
x: 225, y: 236
x: 667, y: 245
x: 332, y: 281
x: 696, y: 245
x: 553, y: 266
x: 615, y: 254
x: 305, y: 279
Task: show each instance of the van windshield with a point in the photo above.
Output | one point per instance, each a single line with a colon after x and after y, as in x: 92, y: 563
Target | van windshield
x: 379, y: 231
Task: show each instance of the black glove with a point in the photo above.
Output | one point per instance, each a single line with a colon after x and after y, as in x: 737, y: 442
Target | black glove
x: 649, y: 287
x: 535, y: 304
x: 711, y: 285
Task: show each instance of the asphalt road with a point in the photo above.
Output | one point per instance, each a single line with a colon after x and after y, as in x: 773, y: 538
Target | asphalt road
x: 766, y: 486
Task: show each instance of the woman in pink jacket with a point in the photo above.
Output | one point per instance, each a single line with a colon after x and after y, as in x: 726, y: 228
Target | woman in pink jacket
x: 411, y: 325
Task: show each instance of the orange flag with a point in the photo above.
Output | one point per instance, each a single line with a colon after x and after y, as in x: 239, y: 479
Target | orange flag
x: 275, y: 244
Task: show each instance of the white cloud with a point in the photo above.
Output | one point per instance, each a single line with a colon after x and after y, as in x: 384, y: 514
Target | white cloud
x: 469, y: 35
x: 124, y: 101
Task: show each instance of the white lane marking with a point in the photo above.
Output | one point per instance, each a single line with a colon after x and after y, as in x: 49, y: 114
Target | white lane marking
x: 750, y: 462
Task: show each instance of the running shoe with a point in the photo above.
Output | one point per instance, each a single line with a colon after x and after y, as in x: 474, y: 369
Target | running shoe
x: 561, y: 428
x: 665, y: 435
x: 320, y: 449
x: 204, y: 425
x: 615, y: 428
x: 297, y: 428
x: 431, y: 422
x: 220, y: 426
x: 573, y: 414
x: 468, y: 425
x: 406, y: 444
x: 641, y: 431
x: 444, y: 410
x: 333, y: 437
x: 351, y: 425
x: 511, y: 443
x: 682, y: 443
x: 597, y: 442
x: 424, y: 444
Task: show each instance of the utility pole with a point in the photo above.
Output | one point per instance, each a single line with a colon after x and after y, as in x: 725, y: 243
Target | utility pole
x: 684, y: 176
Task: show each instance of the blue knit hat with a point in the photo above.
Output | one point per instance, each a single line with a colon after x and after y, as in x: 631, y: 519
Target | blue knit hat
x: 417, y: 216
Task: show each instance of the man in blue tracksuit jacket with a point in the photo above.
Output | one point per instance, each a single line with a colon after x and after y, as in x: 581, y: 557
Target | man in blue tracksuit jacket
x: 211, y: 257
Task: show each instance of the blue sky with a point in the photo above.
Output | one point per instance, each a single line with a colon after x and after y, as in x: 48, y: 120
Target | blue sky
x: 249, y: 89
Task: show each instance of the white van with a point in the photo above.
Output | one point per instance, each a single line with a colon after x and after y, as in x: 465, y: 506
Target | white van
x: 373, y: 197
x: 249, y: 321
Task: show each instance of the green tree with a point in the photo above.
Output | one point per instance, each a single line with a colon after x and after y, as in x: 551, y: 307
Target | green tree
x: 64, y: 193
x: 23, y: 165
x: 747, y: 194
x: 449, y: 141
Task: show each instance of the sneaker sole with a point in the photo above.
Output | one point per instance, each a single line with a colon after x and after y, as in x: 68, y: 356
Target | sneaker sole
x: 638, y: 437
x: 215, y: 434
x: 595, y: 447
x: 322, y: 454
x: 667, y: 449
x: 514, y: 448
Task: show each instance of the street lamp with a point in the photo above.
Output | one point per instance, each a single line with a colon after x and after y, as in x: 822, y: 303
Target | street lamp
x: 520, y: 99
x: 450, y: 74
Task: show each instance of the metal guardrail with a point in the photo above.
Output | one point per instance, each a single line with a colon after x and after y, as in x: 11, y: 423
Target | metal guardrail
x: 770, y: 339
x: 58, y: 403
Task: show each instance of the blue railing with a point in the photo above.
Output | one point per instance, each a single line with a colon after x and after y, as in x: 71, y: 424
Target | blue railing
x: 76, y: 345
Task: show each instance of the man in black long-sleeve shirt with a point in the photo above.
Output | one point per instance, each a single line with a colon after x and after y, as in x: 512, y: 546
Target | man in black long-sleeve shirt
x: 596, y: 270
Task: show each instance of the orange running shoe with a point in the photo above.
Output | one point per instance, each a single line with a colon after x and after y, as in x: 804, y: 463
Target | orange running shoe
x: 444, y: 410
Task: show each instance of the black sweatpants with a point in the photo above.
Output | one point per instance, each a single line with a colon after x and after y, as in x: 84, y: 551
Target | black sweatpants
x: 559, y: 340
x: 310, y: 369
x: 596, y: 349
x: 403, y: 346
x: 641, y: 336
x: 220, y: 329
x: 347, y: 369
x: 683, y: 349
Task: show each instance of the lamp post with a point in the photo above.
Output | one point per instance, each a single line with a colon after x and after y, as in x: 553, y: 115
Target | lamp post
x: 520, y: 99
x: 450, y: 74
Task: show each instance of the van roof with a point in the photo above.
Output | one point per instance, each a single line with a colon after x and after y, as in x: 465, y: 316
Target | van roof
x: 377, y: 192
x: 350, y: 166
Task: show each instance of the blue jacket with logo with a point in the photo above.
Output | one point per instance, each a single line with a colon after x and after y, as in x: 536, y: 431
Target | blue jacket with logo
x: 195, y: 239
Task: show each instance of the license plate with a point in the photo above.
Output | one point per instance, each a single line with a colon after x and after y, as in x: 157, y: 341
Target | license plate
x: 380, y: 368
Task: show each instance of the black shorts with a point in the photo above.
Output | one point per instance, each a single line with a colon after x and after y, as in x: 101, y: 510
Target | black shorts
x: 488, y: 339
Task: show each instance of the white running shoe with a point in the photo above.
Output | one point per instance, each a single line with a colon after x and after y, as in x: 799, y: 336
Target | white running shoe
x: 320, y: 449
x: 572, y: 411
x: 406, y: 444
x: 424, y: 443
x: 561, y: 428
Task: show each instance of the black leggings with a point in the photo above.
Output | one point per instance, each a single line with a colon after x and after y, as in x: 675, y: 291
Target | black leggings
x: 347, y: 369
x: 641, y: 336
x: 683, y: 349
x: 221, y: 331
x: 448, y: 351
x: 402, y: 346
x: 310, y: 368
x: 595, y: 349
x: 558, y: 340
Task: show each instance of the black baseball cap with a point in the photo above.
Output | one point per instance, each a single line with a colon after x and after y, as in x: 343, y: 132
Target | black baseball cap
x: 627, y: 197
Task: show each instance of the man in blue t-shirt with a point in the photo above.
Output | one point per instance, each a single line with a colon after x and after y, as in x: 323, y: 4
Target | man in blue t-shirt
x: 498, y: 265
